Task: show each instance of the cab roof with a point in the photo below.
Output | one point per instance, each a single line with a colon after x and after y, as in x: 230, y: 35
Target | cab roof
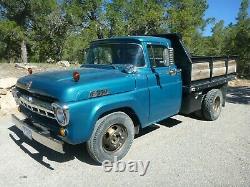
x: 134, y: 39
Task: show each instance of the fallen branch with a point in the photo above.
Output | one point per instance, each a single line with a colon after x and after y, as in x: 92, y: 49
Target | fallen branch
x: 24, y: 66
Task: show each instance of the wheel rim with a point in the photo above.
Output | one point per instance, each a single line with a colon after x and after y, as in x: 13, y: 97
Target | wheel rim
x: 216, y: 105
x: 114, y: 138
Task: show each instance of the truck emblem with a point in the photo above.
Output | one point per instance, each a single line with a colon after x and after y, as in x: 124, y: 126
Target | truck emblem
x: 28, y: 85
x: 98, y: 93
x: 30, y: 99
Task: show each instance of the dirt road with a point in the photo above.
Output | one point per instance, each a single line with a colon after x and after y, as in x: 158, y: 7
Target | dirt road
x: 182, y: 151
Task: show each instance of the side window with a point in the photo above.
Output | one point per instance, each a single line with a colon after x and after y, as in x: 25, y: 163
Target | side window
x: 158, y: 55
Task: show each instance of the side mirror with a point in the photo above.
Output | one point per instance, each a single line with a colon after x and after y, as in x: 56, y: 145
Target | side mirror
x: 85, y: 51
x: 85, y: 54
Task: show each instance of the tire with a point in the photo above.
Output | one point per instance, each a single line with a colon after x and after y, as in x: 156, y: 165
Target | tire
x: 212, y: 105
x: 112, y: 137
x: 198, y: 114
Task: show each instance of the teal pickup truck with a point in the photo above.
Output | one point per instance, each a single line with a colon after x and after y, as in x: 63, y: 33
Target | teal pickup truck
x: 124, y: 85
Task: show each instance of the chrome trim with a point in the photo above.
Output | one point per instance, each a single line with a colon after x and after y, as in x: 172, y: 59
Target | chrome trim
x: 99, y: 93
x: 36, y: 108
x: 44, y: 139
x: 65, y: 109
x: 171, y: 55
x: 16, y: 95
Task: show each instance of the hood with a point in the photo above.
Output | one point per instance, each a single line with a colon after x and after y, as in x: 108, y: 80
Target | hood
x: 61, y: 86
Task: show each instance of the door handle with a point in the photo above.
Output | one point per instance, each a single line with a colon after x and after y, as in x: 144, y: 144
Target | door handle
x: 158, y: 81
x: 157, y: 76
x: 172, y: 72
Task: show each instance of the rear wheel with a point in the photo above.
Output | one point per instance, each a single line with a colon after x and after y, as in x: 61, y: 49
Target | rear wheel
x: 112, y: 137
x: 212, y: 105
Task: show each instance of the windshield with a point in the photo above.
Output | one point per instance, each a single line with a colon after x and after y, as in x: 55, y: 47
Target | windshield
x: 112, y: 54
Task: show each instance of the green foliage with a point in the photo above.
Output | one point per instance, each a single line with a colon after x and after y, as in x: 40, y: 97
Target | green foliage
x: 10, y: 36
x: 186, y: 17
x: 117, y: 15
x: 62, y: 29
x: 242, y: 38
x: 136, y: 17
x: 217, y: 40
x: 86, y: 14
x: 39, y: 24
x: 243, y: 14
x: 144, y: 17
x: 49, y: 34
x: 76, y: 44
x: 233, y: 39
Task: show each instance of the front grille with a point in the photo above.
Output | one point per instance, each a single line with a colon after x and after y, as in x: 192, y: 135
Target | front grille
x: 35, y: 95
x: 41, y: 120
x: 38, y: 107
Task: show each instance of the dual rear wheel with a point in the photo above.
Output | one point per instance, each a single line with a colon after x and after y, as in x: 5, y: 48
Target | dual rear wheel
x: 211, y: 105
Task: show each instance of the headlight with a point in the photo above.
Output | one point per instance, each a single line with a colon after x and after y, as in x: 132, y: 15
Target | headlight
x: 61, y: 113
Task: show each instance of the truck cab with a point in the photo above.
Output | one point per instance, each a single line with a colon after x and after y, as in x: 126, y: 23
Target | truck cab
x: 124, y: 85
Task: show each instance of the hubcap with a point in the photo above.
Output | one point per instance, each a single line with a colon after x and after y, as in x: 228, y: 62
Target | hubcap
x: 216, y: 106
x: 114, y: 137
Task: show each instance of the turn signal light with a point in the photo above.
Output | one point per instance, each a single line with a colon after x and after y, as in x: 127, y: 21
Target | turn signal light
x: 76, y: 76
x: 62, y: 132
x: 30, y: 71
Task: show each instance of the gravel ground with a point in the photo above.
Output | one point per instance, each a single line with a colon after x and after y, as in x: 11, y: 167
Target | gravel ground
x: 183, y: 151
x: 9, y: 70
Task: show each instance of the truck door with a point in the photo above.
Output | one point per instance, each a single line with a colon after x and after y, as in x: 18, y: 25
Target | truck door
x: 165, y: 85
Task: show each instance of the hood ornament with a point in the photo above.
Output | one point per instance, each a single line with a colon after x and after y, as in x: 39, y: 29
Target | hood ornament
x: 28, y: 85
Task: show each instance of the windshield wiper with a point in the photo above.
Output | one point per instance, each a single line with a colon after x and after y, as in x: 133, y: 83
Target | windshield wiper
x: 125, y: 68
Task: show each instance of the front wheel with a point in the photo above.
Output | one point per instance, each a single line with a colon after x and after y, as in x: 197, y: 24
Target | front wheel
x: 212, y: 104
x: 112, y: 137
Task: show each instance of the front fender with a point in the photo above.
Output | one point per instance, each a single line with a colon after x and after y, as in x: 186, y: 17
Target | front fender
x: 84, y: 114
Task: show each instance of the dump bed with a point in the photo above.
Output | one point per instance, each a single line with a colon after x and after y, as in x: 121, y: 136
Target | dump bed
x: 209, y: 67
x: 211, y: 71
x: 201, y: 72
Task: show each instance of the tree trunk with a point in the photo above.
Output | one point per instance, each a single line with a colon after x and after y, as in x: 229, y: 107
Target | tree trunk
x: 24, y: 56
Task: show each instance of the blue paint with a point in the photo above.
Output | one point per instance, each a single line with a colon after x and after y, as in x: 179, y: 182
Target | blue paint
x: 137, y: 91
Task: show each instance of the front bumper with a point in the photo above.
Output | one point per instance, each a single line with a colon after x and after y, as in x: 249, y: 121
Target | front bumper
x: 41, y: 135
